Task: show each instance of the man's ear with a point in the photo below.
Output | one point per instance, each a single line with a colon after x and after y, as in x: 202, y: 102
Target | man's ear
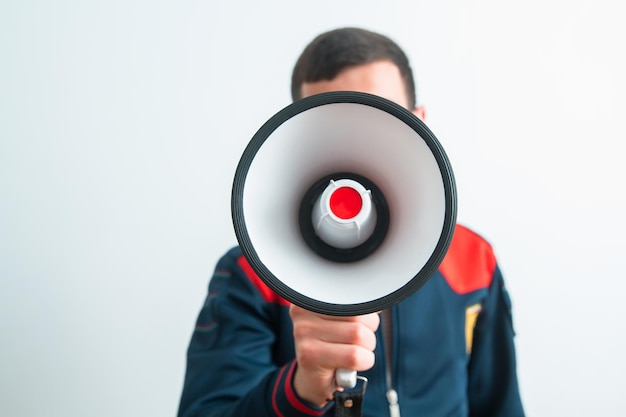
x: 420, y: 112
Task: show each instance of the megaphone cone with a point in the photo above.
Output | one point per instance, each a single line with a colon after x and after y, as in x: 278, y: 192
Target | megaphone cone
x: 354, y: 251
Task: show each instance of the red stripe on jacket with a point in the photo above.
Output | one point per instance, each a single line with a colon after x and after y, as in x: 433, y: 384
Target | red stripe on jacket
x: 268, y: 294
x: 470, y: 262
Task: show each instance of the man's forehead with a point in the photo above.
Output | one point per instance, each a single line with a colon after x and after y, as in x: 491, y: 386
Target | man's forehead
x: 381, y: 78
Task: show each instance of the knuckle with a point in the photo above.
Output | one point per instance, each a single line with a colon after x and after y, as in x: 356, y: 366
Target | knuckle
x: 306, y: 354
x: 360, y: 335
x: 359, y: 359
x: 353, y: 358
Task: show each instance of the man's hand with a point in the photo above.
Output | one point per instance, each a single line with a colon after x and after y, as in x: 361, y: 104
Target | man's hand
x: 326, y: 343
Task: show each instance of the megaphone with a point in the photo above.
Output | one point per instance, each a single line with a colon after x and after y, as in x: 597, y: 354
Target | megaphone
x: 344, y: 203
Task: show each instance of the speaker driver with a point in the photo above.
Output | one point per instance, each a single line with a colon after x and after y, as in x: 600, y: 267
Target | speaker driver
x: 331, y: 249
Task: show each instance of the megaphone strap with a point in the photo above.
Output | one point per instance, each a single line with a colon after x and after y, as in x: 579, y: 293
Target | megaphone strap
x: 349, y: 403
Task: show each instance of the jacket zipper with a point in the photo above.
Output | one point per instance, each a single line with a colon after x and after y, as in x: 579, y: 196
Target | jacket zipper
x: 392, y: 394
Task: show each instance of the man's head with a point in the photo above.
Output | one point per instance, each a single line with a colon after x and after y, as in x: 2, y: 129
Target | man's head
x: 355, y: 59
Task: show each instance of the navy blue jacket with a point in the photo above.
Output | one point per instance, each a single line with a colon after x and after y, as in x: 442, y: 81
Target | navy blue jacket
x: 453, y: 350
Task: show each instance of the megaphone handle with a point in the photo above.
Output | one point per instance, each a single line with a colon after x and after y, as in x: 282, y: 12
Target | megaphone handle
x: 345, y: 378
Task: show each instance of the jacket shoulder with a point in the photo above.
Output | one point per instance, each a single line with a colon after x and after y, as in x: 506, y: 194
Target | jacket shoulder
x: 236, y: 256
x: 470, y: 262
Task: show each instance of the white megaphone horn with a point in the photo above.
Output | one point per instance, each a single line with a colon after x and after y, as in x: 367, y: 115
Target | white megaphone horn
x: 344, y: 203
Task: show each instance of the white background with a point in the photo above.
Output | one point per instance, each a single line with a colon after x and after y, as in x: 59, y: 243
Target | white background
x: 121, y: 123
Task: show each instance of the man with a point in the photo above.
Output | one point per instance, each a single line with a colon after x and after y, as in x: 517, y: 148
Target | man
x: 447, y: 350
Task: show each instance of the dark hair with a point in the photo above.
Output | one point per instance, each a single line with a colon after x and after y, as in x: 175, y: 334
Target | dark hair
x: 331, y: 52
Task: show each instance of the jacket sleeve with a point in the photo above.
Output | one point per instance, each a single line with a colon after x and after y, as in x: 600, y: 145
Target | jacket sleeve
x: 231, y: 370
x: 493, y: 389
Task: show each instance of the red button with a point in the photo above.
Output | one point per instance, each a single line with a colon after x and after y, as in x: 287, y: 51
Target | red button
x: 345, y: 202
